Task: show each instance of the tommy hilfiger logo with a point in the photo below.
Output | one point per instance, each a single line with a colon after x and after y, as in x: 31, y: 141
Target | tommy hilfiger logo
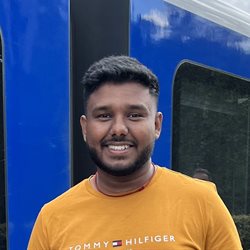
x: 129, y: 242
x: 117, y: 243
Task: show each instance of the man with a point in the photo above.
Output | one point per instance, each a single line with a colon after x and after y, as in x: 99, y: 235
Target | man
x: 130, y: 203
x: 202, y: 174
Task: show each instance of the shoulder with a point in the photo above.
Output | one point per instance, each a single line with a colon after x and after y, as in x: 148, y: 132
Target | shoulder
x: 176, y: 178
x: 66, y: 200
x: 193, y: 194
x: 185, y: 186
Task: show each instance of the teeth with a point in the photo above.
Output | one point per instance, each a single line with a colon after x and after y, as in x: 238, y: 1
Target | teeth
x: 118, y: 148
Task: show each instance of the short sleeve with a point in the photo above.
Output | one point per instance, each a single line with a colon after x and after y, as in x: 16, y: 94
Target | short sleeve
x: 222, y: 233
x: 38, y: 239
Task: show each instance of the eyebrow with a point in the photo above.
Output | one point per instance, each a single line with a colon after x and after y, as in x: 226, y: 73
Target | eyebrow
x: 130, y: 107
x: 101, y: 108
x: 137, y: 107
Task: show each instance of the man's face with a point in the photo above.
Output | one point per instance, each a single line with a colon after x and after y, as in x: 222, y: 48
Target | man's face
x: 120, y: 127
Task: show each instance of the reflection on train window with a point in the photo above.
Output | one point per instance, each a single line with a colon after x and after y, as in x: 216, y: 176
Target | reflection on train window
x: 2, y: 161
x: 211, y: 131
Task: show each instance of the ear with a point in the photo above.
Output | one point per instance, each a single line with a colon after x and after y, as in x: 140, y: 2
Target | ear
x: 83, y: 122
x: 158, y: 124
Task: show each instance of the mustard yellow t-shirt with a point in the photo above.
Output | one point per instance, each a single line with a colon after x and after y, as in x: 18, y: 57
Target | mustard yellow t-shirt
x: 174, y: 212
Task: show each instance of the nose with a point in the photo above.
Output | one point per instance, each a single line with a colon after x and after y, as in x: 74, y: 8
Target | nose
x: 119, y: 127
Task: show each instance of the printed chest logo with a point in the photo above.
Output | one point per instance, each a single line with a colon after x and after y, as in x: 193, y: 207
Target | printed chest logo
x: 129, y: 243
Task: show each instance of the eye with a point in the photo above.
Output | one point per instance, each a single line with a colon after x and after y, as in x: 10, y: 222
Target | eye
x: 135, y: 116
x: 104, y: 117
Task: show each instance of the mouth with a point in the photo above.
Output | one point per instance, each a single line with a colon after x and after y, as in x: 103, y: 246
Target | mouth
x: 118, y: 148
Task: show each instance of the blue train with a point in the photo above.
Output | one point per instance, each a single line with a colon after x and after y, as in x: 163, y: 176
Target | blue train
x: 200, y: 51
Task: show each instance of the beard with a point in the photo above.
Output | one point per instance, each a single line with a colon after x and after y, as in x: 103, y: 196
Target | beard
x: 139, y: 163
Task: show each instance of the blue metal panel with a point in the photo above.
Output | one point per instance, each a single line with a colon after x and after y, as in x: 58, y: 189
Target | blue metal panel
x: 162, y: 35
x: 36, y: 77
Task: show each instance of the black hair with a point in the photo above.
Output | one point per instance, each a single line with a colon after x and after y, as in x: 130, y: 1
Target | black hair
x: 198, y: 171
x: 118, y: 70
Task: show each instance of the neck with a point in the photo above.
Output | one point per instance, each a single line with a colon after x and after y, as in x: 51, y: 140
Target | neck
x: 123, y: 185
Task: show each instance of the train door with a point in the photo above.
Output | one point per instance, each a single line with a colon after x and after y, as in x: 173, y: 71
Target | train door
x: 103, y: 30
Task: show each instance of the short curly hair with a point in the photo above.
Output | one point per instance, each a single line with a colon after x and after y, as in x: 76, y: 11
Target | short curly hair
x: 118, y: 70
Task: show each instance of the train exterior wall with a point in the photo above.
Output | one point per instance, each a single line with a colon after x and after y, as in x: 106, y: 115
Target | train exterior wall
x: 163, y: 36
x: 36, y: 58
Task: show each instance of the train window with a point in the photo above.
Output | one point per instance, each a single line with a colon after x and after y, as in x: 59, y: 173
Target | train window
x: 211, y: 131
x: 2, y: 161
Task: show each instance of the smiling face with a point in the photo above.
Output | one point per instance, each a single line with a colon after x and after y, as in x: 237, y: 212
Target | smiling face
x: 120, y: 127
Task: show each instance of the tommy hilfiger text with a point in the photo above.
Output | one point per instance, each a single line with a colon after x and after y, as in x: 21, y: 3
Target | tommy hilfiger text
x: 124, y: 242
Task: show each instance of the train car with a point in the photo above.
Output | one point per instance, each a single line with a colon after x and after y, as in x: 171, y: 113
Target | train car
x: 200, y: 50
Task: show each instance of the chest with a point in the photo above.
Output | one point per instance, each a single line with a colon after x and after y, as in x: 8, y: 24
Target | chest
x: 134, y: 225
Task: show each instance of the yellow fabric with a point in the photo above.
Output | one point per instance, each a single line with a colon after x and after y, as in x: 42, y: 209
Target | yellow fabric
x: 174, y: 212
